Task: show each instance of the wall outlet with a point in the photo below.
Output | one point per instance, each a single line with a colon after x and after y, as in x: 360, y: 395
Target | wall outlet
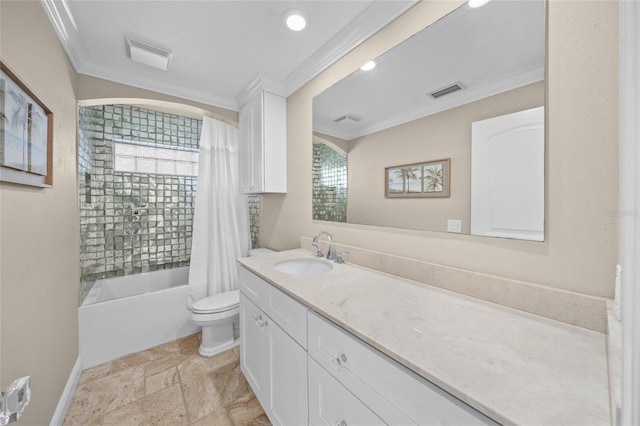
x: 454, y: 225
x: 14, y: 400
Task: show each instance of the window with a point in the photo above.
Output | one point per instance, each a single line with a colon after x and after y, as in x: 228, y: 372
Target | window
x: 137, y: 157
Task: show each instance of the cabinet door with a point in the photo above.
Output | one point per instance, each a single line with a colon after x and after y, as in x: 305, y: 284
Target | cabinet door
x: 257, y: 143
x: 332, y: 404
x: 287, y: 379
x: 274, y: 127
x: 245, y: 134
x: 263, y: 144
x: 253, y: 358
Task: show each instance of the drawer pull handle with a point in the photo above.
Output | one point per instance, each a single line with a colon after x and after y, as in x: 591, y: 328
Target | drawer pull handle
x: 338, y: 361
x: 263, y: 325
x: 342, y: 423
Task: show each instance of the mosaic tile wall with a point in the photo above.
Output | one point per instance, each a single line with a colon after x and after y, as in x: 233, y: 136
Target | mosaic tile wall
x: 329, y: 184
x: 130, y: 222
x: 254, y: 219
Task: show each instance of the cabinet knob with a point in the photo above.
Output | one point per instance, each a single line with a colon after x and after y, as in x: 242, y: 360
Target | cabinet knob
x: 338, y: 361
x: 258, y: 319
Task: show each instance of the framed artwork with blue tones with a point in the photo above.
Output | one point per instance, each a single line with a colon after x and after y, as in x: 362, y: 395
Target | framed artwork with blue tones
x: 26, y: 134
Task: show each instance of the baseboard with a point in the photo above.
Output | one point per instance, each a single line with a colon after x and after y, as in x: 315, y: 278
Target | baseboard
x: 67, y: 394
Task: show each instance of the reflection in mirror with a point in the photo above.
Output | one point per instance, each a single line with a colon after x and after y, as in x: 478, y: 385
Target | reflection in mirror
x: 418, y: 105
x: 329, y: 181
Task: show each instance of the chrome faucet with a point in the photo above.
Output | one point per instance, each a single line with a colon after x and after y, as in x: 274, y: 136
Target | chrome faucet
x: 330, y: 254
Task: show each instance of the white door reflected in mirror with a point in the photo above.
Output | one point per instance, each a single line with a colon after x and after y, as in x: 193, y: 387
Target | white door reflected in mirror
x: 507, y: 176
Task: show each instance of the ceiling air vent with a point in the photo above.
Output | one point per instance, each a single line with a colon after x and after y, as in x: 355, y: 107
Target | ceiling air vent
x: 148, y: 54
x: 348, y: 117
x: 446, y: 90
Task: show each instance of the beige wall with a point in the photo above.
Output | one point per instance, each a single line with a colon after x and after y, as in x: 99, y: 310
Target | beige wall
x: 443, y: 135
x: 90, y: 89
x: 337, y: 144
x: 39, y: 275
x: 39, y: 227
x: 581, y: 243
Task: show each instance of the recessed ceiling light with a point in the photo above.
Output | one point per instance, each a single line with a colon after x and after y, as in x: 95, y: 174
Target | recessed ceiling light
x: 368, y: 66
x: 477, y: 3
x: 295, y: 20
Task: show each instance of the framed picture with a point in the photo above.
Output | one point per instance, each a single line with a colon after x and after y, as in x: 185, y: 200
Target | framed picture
x: 419, y: 180
x: 26, y: 134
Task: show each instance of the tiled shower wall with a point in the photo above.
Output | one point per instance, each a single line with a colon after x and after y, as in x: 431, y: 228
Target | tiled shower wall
x: 132, y: 222
x: 329, y: 184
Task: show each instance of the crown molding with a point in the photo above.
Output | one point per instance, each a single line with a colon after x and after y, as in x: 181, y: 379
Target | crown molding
x: 369, y: 22
x: 364, y: 26
x: 453, y: 100
x: 255, y: 86
x: 64, y: 26
x: 93, y: 69
x: 332, y: 132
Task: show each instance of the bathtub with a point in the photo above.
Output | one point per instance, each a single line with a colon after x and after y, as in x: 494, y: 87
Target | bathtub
x: 128, y: 314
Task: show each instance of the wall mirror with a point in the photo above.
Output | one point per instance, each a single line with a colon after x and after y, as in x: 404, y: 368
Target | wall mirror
x: 418, y: 105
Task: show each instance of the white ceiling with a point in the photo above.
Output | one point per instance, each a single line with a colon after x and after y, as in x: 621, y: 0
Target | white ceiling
x: 498, y: 47
x: 219, y: 47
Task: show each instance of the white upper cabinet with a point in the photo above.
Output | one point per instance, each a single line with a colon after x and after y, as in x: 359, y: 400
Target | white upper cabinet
x: 263, y: 144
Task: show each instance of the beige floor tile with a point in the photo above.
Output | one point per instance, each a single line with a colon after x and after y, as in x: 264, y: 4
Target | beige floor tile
x: 93, y: 373
x: 94, y: 398
x: 247, y: 410
x: 152, y: 387
x: 210, y: 384
x: 162, y: 380
x: 164, y: 407
x: 217, y: 418
x: 133, y: 360
x: 261, y: 420
x: 187, y: 342
x: 161, y: 364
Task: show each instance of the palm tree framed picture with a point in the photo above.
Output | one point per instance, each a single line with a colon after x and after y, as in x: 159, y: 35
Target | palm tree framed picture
x: 26, y: 134
x: 419, y: 180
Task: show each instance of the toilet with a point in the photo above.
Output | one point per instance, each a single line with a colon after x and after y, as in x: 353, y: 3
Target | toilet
x: 219, y: 316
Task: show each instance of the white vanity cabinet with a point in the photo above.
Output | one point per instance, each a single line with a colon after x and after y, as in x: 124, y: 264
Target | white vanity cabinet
x: 273, y: 362
x: 395, y: 394
x: 306, y: 370
x: 263, y: 147
x: 331, y: 404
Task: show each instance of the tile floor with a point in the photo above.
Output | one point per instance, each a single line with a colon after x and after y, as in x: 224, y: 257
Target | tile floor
x: 170, y: 384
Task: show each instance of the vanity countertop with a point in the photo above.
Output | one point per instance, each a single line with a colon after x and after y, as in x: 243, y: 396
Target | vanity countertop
x: 515, y: 367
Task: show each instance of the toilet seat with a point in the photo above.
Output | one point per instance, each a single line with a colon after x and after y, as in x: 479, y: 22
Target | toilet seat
x: 220, y: 302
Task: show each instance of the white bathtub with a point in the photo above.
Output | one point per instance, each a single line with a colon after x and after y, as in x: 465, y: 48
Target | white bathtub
x: 128, y: 314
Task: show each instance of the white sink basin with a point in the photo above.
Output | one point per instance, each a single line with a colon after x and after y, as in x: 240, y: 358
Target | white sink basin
x: 304, y: 266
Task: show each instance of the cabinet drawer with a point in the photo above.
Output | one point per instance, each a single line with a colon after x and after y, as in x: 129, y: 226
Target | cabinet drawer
x: 398, y: 395
x: 287, y: 312
x: 254, y: 287
x: 332, y: 404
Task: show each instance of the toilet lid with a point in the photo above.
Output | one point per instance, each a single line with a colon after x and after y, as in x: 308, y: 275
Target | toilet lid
x: 218, y: 302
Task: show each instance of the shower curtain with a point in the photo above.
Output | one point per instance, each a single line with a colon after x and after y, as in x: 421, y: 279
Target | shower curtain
x: 220, y: 222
